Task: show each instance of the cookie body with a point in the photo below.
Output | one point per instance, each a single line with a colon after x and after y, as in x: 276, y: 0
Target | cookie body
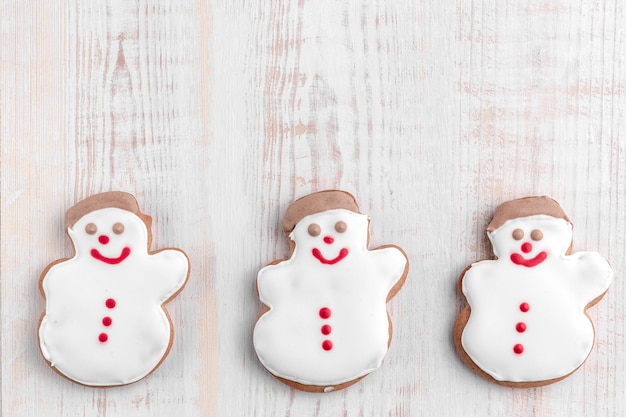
x: 104, y: 323
x: 326, y: 323
x: 525, y: 323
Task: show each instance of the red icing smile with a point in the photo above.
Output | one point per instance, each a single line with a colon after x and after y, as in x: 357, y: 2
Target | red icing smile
x: 111, y: 261
x: 518, y: 259
x: 318, y: 255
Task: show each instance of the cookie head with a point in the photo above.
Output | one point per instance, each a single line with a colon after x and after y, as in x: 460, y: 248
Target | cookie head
x: 529, y: 230
x: 529, y: 241
x: 109, y: 235
x: 330, y: 236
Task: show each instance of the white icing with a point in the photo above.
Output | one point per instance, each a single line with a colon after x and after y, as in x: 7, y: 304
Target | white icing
x: 288, y: 338
x: 76, y: 291
x: 559, y: 335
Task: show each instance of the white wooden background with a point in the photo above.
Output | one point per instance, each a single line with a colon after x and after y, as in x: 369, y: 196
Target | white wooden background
x: 217, y: 113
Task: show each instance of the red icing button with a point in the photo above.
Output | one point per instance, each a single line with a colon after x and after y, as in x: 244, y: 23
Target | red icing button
x: 326, y: 329
x: 527, y: 247
x: 104, y: 239
x: 328, y: 239
x: 524, y: 307
x: 520, y: 327
x: 325, y: 312
x: 103, y: 337
x: 107, y: 321
x: 110, y: 303
x: 518, y: 348
x: 327, y: 345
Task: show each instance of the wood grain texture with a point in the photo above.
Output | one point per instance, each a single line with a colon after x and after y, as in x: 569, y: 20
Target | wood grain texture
x: 217, y: 114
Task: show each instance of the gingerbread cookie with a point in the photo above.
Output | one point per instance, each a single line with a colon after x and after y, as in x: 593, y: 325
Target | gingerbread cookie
x: 525, y: 324
x: 325, y: 325
x: 105, y: 323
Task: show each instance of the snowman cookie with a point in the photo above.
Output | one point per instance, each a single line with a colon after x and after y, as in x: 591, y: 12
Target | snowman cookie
x: 325, y: 323
x: 105, y: 323
x: 525, y: 324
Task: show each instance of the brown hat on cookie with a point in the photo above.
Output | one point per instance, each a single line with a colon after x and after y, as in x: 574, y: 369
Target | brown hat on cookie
x: 114, y: 199
x: 315, y: 203
x: 524, y: 207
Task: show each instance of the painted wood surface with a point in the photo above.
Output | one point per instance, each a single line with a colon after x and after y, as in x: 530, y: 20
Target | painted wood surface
x: 217, y: 114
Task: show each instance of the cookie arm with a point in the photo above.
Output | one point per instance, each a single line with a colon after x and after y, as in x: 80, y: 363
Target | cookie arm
x: 392, y: 263
x: 594, y: 275
x: 472, y: 279
x: 172, y: 269
x: 269, y: 281
x: 51, y: 276
x: 51, y: 280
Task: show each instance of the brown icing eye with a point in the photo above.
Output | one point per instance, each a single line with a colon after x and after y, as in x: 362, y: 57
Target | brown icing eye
x: 536, y: 234
x: 518, y: 234
x: 341, y: 226
x: 91, y: 229
x: 118, y: 228
x: 314, y: 229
